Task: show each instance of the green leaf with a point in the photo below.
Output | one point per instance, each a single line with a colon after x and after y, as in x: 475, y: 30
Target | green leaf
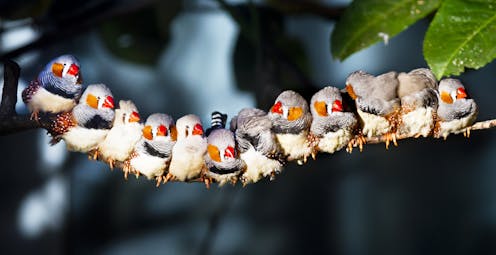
x: 462, y: 34
x: 364, y: 21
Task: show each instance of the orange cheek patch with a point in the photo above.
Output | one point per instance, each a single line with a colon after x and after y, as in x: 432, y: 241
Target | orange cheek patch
x: 294, y: 113
x: 351, y: 92
x: 213, y: 152
x: 446, y: 97
x: 57, y: 69
x: 321, y: 108
x: 147, y: 132
x: 92, y: 101
x: 173, y: 133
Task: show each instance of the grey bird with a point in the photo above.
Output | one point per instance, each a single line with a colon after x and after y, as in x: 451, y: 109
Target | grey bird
x: 291, y: 120
x: 87, y: 125
x: 257, y: 145
x: 152, y: 153
x: 377, y: 102
x: 332, y: 127
x: 222, y: 158
x: 456, y: 111
x: 417, y: 91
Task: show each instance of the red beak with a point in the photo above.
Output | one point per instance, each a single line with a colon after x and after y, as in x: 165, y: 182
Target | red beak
x: 337, y: 106
x: 277, y: 108
x: 229, y: 152
x: 198, y: 129
x: 460, y: 93
x: 134, y: 117
x: 73, y: 70
x: 161, y: 130
x: 109, y: 102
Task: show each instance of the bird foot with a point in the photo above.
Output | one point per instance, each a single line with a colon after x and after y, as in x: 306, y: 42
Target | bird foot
x: 359, y: 140
x: 234, y: 180
x: 111, y: 164
x: 207, y: 181
x: 93, y: 154
x: 169, y: 177
x: 466, y: 132
x: 159, y: 180
x: 390, y: 137
x: 34, y: 116
x: 272, y: 176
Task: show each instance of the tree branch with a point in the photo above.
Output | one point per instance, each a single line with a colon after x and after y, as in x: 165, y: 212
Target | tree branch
x: 9, y: 92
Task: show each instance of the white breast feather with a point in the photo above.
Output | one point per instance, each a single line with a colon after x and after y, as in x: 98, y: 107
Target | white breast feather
x: 83, y: 139
x: 295, y: 146
x: 417, y: 122
x: 120, y: 141
x: 334, y: 141
x: 222, y: 179
x: 47, y: 102
x: 148, y: 165
x: 455, y: 126
x: 258, y: 166
x: 373, y: 125
x: 187, y: 158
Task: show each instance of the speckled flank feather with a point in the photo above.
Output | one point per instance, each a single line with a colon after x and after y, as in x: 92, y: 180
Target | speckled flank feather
x: 60, y: 125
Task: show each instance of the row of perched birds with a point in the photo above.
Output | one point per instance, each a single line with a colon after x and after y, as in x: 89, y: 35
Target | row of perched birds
x: 258, y: 143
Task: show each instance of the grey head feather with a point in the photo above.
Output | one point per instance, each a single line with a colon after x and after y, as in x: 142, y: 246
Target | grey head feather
x: 415, y: 81
x: 281, y: 125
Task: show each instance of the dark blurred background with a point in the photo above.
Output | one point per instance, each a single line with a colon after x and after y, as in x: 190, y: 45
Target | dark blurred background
x: 424, y: 197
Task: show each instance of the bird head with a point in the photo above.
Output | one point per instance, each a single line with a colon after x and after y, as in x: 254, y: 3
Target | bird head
x: 66, y: 67
x: 290, y: 106
x: 127, y: 112
x: 221, y: 145
x: 325, y: 102
x: 451, y: 90
x: 189, y: 125
x: 355, y: 83
x: 98, y: 96
x: 159, y: 126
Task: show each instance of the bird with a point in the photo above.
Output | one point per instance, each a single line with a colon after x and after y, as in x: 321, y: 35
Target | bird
x: 291, y: 122
x: 257, y: 145
x: 222, y: 158
x: 187, y: 161
x: 124, y: 134
x: 377, y: 103
x: 332, y: 127
x: 417, y: 93
x: 87, y: 125
x: 456, y: 111
x: 56, y: 89
x: 152, y: 153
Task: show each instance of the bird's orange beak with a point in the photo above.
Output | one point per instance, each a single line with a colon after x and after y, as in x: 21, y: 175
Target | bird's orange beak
x: 161, y: 130
x: 337, y: 106
x: 460, y: 93
x: 229, y: 152
x: 198, y: 129
x: 277, y: 108
x: 134, y: 117
x: 109, y: 102
x: 73, y: 70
